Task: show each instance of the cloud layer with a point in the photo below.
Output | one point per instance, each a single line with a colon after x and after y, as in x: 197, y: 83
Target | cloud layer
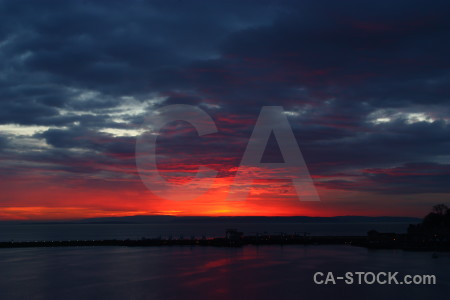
x: 365, y: 88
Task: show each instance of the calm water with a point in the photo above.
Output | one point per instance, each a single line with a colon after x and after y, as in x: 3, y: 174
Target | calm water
x: 137, y: 231
x: 264, y: 272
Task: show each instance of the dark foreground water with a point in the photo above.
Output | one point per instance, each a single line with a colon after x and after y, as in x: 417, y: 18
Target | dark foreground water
x: 264, y: 272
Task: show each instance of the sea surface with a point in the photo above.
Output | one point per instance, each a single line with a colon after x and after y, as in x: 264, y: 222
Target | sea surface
x: 49, y: 232
x: 183, y: 272
x: 186, y: 272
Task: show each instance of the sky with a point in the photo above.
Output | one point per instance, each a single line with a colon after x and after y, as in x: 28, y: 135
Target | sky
x: 363, y: 84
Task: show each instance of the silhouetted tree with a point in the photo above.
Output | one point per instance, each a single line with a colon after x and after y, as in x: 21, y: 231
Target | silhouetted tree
x: 437, y: 222
x: 440, y: 209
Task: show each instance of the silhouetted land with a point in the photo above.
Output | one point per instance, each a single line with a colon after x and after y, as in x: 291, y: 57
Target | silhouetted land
x: 432, y: 234
x: 229, y: 241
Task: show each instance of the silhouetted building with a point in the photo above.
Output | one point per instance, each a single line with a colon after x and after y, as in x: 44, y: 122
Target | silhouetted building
x: 232, y: 234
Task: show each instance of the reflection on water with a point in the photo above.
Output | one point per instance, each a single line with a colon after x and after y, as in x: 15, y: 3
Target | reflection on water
x: 265, y: 272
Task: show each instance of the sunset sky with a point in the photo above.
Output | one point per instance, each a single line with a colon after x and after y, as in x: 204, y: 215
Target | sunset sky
x: 365, y: 87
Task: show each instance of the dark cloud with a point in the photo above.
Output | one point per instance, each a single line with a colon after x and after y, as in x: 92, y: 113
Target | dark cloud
x: 379, y: 145
x: 3, y: 142
x: 411, y: 178
x: 86, y: 68
x: 78, y: 137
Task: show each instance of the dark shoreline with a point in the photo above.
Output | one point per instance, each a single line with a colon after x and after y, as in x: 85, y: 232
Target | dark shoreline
x: 217, y: 241
x: 361, y: 241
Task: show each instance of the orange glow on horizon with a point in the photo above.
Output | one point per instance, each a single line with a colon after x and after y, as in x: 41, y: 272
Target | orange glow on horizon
x: 36, y: 199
